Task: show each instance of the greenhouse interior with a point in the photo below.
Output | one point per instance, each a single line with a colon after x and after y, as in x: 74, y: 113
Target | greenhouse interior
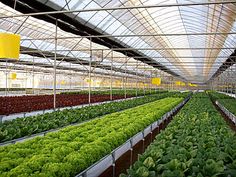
x: 118, y: 88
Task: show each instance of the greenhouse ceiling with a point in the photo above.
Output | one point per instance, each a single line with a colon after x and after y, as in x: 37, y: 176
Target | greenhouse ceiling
x: 192, y: 40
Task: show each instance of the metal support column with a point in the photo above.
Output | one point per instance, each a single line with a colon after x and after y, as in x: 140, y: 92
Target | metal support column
x: 173, y: 86
x: 159, y: 75
x: 156, y: 84
x: 162, y: 76
x: 234, y: 80
x: 33, y: 78
x: 111, y: 75
x: 90, y: 62
x: 150, y: 83
x: 25, y: 79
x: 125, y: 76
x: 70, y: 76
x: 168, y: 83
x: 123, y: 86
x: 144, y: 81
x: 55, y: 70
x: 6, y: 80
x: 136, y: 79
x: 227, y: 85
x: 231, y: 81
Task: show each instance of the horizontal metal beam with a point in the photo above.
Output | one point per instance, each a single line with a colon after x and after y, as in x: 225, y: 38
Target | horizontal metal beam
x: 59, y: 71
x: 142, y: 57
x: 120, y: 49
x: 131, y: 35
x: 119, y: 8
x: 128, y: 70
x: 74, y: 60
x: 134, y: 62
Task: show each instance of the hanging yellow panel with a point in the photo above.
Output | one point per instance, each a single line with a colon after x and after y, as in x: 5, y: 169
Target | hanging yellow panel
x: 9, y: 46
x: 192, y: 85
x: 63, y: 82
x: 178, y: 83
x: 156, y: 81
x: 117, y: 83
x: 13, y: 76
x: 88, y: 81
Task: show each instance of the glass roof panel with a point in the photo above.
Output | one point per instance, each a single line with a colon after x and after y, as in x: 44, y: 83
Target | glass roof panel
x: 162, y: 24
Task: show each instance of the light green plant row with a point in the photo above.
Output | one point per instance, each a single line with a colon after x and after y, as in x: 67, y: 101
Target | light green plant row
x: 73, y: 149
x: 21, y: 127
x: 197, y: 143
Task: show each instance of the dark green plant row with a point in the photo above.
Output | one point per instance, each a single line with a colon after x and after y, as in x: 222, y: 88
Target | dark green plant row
x: 197, y: 143
x: 179, y: 94
x: 200, y: 95
x: 13, y: 89
x: 227, y: 101
x: 74, y: 148
x: 21, y: 127
x: 229, y: 104
x: 131, y: 92
x: 217, y: 96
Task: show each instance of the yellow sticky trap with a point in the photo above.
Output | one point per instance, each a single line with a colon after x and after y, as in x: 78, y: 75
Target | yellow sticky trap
x: 118, y: 82
x: 178, y: 83
x: 9, y: 46
x: 13, y: 76
x: 89, y: 80
x: 192, y: 85
x: 156, y: 81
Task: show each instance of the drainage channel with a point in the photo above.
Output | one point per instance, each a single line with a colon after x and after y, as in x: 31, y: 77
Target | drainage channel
x: 125, y: 155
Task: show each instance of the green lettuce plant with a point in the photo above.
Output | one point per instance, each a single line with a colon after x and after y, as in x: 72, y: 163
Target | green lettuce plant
x: 197, y: 143
x: 74, y: 148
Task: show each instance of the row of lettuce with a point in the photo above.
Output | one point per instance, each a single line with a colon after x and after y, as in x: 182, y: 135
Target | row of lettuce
x: 197, y: 143
x: 229, y: 104
x: 21, y: 127
x: 28, y: 103
x: 130, y: 92
x: 227, y: 101
x: 218, y: 96
x: 74, y: 148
